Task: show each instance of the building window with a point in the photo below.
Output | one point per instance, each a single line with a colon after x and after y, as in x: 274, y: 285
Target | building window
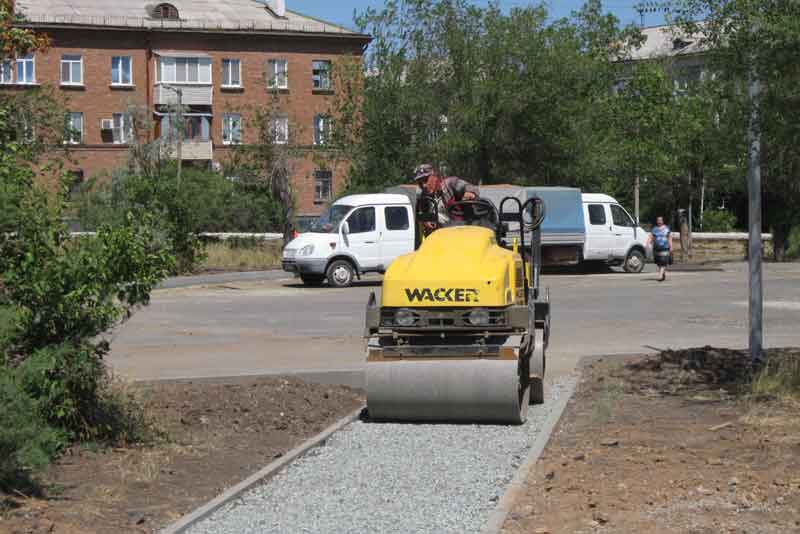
x: 73, y: 133
x: 322, y: 129
x: 121, y: 70
x: 166, y: 11
x: 184, y: 70
x: 196, y: 128
x: 6, y: 72
x: 280, y: 130
x: 26, y: 69
x: 278, y: 74
x: 323, y: 186
x: 75, y: 182
x: 232, y: 129
x: 231, y: 73
x: 71, y: 70
x: 123, y: 128
x: 321, y: 75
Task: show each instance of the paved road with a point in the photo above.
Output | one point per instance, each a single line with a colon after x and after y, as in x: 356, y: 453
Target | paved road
x: 265, y: 325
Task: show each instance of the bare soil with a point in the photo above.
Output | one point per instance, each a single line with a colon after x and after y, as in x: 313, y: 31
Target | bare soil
x: 217, y: 434
x: 667, y: 444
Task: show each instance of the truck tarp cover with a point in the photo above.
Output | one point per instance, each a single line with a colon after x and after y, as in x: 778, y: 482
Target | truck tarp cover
x: 564, y: 209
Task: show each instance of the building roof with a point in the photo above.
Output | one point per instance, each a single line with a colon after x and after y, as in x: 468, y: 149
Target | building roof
x: 667, y: 41
x: 195, y: 15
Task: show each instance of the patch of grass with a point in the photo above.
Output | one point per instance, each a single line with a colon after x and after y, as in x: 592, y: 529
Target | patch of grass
x: 779, y: 377
x: 235, y: 257
x: 607, y: 402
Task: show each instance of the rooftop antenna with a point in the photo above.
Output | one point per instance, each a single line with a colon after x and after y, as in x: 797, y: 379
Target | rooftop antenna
x: 650, y: 6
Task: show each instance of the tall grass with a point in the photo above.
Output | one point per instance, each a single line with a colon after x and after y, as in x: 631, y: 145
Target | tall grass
x: 224, y: 256
x: 780, y: 376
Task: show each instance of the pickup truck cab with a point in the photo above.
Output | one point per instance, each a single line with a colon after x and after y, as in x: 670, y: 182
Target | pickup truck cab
x: 357, y: 234
x: 612, y: 236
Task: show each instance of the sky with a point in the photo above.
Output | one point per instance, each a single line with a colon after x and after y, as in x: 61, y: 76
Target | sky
x: 341, y: 11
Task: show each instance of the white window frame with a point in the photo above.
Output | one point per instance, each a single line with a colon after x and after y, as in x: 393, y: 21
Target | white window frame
x: 318, y: 179
x: 6, y: 72
x: 123, y: 124
x: 21, y: 62
x: 203, y: 67
x: 280, y: 130
x: 69, y: 59
x: 329, y: 70
x: 226, y: 127
x: 274, y: 75
x: 322, y: 129
x: 121, y: 83
x: 68, y: 136
x: 227, y: 72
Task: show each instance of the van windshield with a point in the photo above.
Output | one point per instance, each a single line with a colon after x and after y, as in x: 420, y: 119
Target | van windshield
x: 328, y: 222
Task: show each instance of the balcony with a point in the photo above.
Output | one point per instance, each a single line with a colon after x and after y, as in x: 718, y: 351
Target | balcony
x: 190, y: 150
x: 193, y: 94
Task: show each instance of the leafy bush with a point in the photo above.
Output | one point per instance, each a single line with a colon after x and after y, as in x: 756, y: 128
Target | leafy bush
x: 26, y: 442
x: 719, y: 221
x: 203, y: 201
x: 794, y: 244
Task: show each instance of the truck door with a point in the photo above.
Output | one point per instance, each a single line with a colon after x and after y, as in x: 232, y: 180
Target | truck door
x: 599, y: 232
x: 361, y: 241
x: 623, y: 231
x: 396, y: 233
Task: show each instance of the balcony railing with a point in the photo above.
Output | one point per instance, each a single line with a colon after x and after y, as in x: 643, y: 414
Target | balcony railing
x: 190, y: 150
x: 193, y: 94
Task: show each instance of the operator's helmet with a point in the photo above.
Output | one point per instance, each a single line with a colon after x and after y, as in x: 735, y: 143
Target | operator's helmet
x: 422, y: 172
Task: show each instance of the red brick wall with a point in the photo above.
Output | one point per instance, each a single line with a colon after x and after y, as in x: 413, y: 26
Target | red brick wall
x: 97, y: 100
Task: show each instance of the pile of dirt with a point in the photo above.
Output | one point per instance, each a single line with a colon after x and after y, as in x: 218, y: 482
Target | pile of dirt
x: 217, y: 434
x: 656, y: 444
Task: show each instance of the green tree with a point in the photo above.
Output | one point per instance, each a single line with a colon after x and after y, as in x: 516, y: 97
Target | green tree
x: 745, y: 35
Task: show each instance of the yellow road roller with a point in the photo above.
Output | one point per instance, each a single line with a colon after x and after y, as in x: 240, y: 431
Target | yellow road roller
x: 462, y: 326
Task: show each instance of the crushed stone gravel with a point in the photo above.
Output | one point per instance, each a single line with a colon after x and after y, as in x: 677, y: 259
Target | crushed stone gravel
x: 389, y: 478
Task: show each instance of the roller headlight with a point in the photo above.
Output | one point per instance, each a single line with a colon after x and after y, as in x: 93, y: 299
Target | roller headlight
x: 405, y: 318
x: 307, y: 250
x: 478, y: 317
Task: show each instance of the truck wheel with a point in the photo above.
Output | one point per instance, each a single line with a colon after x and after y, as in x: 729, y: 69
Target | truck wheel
x: 634, y: 263
x: 312, y: 279
x: 341, y: 273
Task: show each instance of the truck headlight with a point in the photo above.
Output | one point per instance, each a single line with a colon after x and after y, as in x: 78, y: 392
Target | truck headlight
x: 405, y: 318
x: 478, y: 317
x: 307, y: 250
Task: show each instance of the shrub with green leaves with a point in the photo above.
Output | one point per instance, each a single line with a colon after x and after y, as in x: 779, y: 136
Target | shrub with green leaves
x: 719, y: 221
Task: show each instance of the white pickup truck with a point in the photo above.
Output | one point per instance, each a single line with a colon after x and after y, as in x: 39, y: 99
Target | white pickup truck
x: 364, y: 233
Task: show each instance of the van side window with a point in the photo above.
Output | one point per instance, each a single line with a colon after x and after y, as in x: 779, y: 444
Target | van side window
x: 620, y: 216
x: 396, y: 218
x: 597, y: 214
x: 362, y: 220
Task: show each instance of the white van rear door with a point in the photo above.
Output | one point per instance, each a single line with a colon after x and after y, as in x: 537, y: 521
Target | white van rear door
x: 599, y: 231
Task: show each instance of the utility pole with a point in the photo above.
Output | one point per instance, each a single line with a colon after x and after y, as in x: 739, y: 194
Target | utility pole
x: 636, y: 189
x: 754, y: 212
x: 180, y: 127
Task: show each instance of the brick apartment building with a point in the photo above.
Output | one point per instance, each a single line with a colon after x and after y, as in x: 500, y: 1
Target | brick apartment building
x: 224, y: 56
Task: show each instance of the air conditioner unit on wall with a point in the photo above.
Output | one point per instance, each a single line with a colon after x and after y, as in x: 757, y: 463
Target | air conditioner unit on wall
x: 107, y: 124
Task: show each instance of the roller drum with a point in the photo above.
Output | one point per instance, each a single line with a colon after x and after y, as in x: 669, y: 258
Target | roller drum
x: 468, y: 391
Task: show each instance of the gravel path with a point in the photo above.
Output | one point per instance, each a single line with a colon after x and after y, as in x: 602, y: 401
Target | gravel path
x: 389, y: 478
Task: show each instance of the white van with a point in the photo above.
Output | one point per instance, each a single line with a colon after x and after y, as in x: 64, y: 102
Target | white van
x: 612, y: 236
x: 357, y: 234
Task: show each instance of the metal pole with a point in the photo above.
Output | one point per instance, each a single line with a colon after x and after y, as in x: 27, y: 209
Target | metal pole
x: 636, y: 189
x: 754, y: 215
x: 181, y: 133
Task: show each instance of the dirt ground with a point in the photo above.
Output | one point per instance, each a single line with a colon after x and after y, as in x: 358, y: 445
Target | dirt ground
x: 667, y: 444
x: 217, y: 434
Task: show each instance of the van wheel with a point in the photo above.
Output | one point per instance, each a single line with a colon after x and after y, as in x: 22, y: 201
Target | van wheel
x: 312, y: 279
x: 634, y: 263
x: 341, y: 273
